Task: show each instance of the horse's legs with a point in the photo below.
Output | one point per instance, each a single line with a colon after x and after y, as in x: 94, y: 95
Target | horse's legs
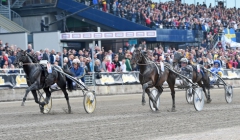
x: 48, y: 95
x: 144, y: 87
x: 34, y: 86
x: 204, y: 90
x: 62, y: 84
x: 151, y: 98
x: 34, y: 93
x: 209, y: 98
x: 67, y: 99
x: 171, y: 84
x: 143, y: 97
x: 160, y: 90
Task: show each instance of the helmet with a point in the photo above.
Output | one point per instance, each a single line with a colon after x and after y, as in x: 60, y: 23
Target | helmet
x: 76, y: 61
x: 217, y: 62
x: 184, y: 60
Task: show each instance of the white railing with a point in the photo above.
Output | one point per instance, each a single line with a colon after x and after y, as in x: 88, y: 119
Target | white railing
x: 16, y: 18
x: 5, y: 71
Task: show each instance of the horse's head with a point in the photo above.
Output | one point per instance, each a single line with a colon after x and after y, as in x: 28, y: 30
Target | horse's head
x: 176, y: 58
x: 21, y: 57
x: 136, y: 56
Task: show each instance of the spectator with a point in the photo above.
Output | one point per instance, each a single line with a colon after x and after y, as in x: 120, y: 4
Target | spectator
x: 29, y: 48
x: 13, y: 57
x: 46, y: 55
x: 97, y: 66
x: 104, y: 4
x: 12, y: 69
x: 38, y: 55
x: 70, y: 59
x: 5, y: 69
x: 128, y: 64
x: 109, y: 65
x: 123, y: 66
x: 117, y: 64
x: 120, y: 54
x: 65, y: 63
x: 103, y: 65
x: 52, y: 57
x: 58, y: 60
x: 89, y: 70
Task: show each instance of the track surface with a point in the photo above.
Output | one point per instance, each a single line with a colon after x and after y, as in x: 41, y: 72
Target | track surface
x: 123, y: 117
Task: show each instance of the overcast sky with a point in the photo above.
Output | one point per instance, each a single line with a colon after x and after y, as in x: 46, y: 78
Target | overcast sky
x: 230, y: 3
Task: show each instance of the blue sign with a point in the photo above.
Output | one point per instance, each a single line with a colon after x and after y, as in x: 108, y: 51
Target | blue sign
x: 132, y: 41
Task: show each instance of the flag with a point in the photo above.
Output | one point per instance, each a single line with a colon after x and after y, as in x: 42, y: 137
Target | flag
x: 230, y: 34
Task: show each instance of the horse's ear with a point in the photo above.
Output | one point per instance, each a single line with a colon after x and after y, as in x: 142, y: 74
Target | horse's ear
x: 25, y: 53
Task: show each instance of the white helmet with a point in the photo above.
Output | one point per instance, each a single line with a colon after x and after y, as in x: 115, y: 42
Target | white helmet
x: 76, y: 61
x: 184, y: 60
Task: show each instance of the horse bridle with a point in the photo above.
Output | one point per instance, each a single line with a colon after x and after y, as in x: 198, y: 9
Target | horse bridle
x: 21, y: 63
x: 141, y: 55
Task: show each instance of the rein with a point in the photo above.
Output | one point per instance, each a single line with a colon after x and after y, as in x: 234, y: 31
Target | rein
x: 29, y: 63
x: 151, y: 62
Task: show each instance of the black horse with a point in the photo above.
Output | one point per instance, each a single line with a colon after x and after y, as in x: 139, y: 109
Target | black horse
x: 38, y: 78
x: 151, y: 76
x: 201, y: 78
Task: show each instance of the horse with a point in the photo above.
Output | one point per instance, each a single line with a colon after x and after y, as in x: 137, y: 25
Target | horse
x: 38, y: 78
x: 202, y: 78
x: 150, y: 76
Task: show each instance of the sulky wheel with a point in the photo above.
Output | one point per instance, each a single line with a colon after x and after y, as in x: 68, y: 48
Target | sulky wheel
x: 89, y: 102
x: 189, y: 95
x: 154, y: 92
x: 198, y: 99
x: 228, y: 94
x: 47, y: 108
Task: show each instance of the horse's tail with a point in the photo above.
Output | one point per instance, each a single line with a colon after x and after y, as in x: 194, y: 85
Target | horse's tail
x: 69, y: 81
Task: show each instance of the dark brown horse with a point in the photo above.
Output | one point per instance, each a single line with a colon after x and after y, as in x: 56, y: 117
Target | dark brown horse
x: 202, y: 78
x: 151, y: 76
x: 36, y: 78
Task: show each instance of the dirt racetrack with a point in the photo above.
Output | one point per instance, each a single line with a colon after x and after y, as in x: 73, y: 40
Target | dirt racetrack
x: 123, y: 117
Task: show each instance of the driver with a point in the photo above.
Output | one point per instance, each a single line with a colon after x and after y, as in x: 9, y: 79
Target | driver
x: 217, y: 68
x: 187, y: 71
x: 78, y: 71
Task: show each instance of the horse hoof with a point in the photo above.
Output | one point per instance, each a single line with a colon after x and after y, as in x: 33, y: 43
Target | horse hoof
x: 209, y: 100
x: 172, y: 110
x: 41, y: 110
x: 22, y: 104
x: 143, y: 103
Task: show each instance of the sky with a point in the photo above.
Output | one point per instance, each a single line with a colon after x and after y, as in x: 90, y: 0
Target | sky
x: 230, y: 3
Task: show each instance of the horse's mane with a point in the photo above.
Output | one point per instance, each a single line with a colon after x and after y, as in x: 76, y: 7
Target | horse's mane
x: 33, y: 57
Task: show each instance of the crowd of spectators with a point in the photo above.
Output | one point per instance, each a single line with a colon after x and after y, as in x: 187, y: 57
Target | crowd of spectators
x: 107, y: 61
x: 172, y: 15
x: 169, y: 15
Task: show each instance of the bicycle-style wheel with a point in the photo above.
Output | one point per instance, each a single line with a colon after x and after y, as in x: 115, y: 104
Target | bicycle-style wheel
x: 198, y: 99
x: 89, y: 102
